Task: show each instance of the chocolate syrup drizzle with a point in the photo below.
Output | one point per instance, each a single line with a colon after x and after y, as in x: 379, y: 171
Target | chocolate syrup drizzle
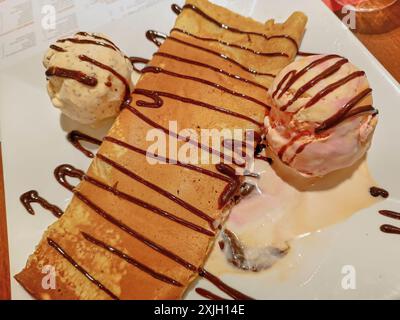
x: 153, y: 36
x: 293, y: 75
x: 57, y: 48
x: 167, y: 160
x: 223, y: 287
x: 176, y: 9
x: 138, y: 60
x: 210, y: 67
x: 228, y: 173
x: 182, y: 138
x: 158, y: 102
x: 236, y: 46
x: 213, y: 279
x: 341, y: 115
x: 63, y: 171
x: 72, y: 74
x: 127, y: 93
x: 134, y: 233
x: 388, y: 228
x: 65, y: 255
x: 75, y: 137
x: 208, y: 295
x: 131, y: 261
x: 88, y: 41
x: 238, y: 31
x: 33, y: 197
x: 390, y: 214
x: 156, y: 70
x: 82, y: 77
x: 232, y: 188
x: 307, y: 54
x: 344, y: 113
x: 86, y: 34
x: 378, y: 192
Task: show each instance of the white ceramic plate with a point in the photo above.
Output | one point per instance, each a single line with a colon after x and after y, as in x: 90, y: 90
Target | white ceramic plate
x: 33, y: 138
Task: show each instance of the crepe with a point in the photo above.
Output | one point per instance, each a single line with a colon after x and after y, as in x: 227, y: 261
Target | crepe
x: 100, y: 217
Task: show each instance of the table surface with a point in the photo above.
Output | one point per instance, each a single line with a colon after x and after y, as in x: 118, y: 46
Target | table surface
x: 380, y: 33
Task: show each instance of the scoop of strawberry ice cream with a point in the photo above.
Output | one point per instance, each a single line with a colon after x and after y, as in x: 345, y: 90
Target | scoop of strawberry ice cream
x: 322, y: 117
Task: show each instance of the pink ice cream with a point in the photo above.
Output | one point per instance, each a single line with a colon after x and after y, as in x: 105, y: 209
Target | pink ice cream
x: 322, y: 117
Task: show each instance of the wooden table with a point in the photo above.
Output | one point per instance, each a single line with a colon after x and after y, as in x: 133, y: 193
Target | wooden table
x: 4, y: 264
x: 385, y: 46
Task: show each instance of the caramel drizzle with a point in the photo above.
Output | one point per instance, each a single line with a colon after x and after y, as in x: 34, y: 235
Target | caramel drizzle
x: 158, y: 102
x: 63, y: 171
x: 66, y: 256
x: 72, y: 74
x: 236, y: 46
x: 76, y: 136
x: 207, y: 66
x: 33, y: 197
x: 157, y: 70
x: 235, y: 30
x: 153, y: 36
x: 132, y: 261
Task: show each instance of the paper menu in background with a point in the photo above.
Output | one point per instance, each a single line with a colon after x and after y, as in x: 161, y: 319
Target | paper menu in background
x: 22, y: 33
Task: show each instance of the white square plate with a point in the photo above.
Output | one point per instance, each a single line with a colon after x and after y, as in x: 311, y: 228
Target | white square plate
x: 33, y: 138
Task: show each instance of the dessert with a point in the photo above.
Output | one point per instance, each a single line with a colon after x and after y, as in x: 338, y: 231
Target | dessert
x: 322, y: 118
x: 88, y: 77
x: 140, y: 231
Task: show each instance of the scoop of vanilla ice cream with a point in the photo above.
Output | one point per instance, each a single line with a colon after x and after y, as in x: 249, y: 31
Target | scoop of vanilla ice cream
x: 322, y: 117
x: 88, y: 104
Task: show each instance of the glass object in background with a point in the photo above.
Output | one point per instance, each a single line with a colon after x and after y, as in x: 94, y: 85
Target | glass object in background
x: 367, y: 5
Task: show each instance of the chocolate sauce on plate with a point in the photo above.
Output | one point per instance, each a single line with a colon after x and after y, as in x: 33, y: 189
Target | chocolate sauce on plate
x: 378, y: 192
x: 75, y: 137
x: 33, y: 197
x: 208, y: 294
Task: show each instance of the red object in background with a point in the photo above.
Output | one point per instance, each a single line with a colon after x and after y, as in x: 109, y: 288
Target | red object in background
x: 332, y: 4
